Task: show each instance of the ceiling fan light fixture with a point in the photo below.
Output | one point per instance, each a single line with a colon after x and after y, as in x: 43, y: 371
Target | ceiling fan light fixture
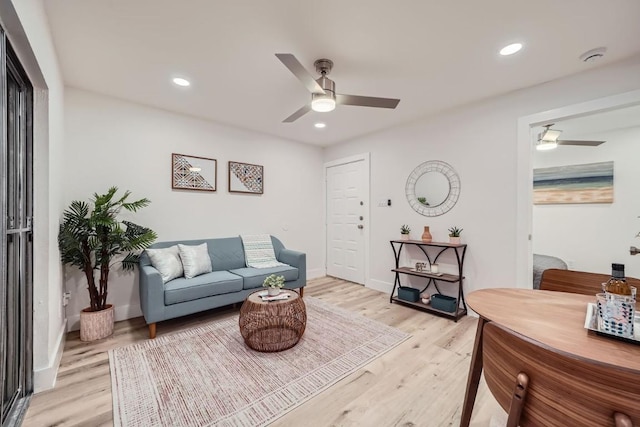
x: 323, y: 103
x: 546, y: 145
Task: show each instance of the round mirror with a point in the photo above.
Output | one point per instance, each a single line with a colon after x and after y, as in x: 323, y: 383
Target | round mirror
x: 433, y: 188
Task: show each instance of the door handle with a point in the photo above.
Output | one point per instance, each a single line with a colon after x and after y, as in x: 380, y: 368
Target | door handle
x: 360, y: 226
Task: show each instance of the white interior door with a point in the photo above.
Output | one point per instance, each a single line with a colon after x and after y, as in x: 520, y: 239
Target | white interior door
x: 347, y: 206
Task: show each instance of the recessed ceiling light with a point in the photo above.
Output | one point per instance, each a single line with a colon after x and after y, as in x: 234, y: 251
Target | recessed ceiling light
x: 511, y: 49
x: 320, y: 125
x: 181, y: 82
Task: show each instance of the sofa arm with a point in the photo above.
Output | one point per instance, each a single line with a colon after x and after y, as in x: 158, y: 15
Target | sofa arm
x: 295, y: 259
x: 151, y: 294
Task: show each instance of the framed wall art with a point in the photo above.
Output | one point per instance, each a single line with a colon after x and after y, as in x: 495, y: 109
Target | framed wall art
x: 193, y: 173
x: 587, y: 183
x: 246, y: 178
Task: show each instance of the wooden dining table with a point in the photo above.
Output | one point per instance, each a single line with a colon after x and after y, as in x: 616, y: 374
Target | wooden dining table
x: 554, y: 319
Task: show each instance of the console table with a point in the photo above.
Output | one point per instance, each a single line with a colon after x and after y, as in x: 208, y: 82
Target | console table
x: 432, y: 279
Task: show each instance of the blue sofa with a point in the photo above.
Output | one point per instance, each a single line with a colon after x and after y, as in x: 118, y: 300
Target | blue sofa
x: 230, y: 281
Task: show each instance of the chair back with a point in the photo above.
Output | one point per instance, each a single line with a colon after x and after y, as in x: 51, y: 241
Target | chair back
x: 562, y: 390
x: 577, y: 282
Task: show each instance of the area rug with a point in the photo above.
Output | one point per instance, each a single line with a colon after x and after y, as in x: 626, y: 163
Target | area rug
x: 207, y: 376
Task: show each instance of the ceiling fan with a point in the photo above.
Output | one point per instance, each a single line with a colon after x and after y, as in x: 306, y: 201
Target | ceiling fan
x: 548, y: 140
x: 323, y: 94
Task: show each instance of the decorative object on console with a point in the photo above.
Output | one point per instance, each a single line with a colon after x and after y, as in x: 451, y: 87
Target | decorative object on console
x: 436, y: 182
x: 426, y: 236
x: 444, y: 303
x: 408, y: 294
x: 246, y: 178
x: 91, y: 238
x: 273, y: 284
x: 404, y: 232
x: 193, y: 173
x: 435, y: 269
x: 454, y: 235
x: 586, y: 183
x: 425, y: 298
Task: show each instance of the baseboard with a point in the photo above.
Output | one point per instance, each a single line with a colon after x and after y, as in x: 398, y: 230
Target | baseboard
x: 122, y: 312
x: 316, y: 273
x: 45, y: 379
x: 379, y: 285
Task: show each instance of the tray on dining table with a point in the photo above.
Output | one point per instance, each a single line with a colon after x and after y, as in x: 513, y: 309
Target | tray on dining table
x: 591, y: 323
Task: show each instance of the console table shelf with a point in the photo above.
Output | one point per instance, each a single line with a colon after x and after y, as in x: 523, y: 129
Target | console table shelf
x: 432, y: 279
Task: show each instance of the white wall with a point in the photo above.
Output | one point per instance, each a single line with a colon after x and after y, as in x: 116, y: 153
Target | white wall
x: 479, y: 141
x: 592, y: 236
x: 28, y: 31
x: 113, y: 142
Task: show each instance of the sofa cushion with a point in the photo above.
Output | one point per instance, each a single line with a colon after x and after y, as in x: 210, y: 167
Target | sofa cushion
x: 167, y: 262
x: 195, y: 260
x: 205, y: 285
x: 254, y: 277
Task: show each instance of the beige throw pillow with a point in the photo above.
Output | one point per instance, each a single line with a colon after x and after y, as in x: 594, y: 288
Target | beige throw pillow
x: 195, y: 260
x: 167, y: 262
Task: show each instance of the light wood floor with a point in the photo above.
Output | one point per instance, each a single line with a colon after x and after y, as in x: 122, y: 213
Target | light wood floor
x: 419, y: 383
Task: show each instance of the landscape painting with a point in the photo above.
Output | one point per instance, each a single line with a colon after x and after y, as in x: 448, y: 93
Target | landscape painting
x: 587, y: 183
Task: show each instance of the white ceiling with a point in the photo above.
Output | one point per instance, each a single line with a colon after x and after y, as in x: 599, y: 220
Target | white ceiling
x: 432, y: 54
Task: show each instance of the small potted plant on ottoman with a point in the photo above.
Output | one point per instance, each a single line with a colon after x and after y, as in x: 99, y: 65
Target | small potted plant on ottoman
x: 273, y: 284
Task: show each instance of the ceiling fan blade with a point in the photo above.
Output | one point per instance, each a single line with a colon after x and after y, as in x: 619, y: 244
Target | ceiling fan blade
x: 300, y: 72
x: 295, y: 116
x: 579, y: 142
x: 367, y: 101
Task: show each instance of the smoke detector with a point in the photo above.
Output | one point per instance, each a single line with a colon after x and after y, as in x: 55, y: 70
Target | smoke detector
x: 593, y: 54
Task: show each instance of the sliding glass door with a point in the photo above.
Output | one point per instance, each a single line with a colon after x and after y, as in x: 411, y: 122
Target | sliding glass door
x: 16, y: 370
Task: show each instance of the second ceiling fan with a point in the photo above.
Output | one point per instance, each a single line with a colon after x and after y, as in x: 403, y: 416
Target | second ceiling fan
x: 323, y: 94
x: 548, y: 140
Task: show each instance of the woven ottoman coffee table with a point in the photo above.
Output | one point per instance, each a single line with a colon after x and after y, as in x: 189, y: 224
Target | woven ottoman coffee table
x: 272, y: 325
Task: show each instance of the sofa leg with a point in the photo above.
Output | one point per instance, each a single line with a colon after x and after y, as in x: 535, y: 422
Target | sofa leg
x: 301, y: 292
x: 152, y: 330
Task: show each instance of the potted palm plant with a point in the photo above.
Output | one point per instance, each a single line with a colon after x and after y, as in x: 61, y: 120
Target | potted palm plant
x: 92, y: 238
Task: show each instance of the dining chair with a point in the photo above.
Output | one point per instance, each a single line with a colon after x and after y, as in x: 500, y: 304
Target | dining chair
x: 577, y: 282
x: 539, y: 386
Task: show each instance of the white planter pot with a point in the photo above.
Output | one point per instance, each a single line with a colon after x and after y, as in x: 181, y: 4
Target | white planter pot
x: 454, y: 240
x: 404, y: 237
x: 95, y: 325
x: 273, y: 291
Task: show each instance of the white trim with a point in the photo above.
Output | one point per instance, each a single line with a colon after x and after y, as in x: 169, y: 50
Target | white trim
x: 45, y: 378
x: 122, y: 312
x: 524, y: 184
x: 379, y: 285
x: 316, y: 273
x: 366, y: 159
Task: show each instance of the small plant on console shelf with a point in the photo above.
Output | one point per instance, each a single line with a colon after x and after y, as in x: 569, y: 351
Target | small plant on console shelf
x: 404, y: 231
x: 274, y: 284
x: 454, y: 235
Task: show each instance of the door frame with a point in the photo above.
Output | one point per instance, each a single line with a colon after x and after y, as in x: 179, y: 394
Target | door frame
x: 366, y: 159
x: 524, y: 182
x: 9, y: 62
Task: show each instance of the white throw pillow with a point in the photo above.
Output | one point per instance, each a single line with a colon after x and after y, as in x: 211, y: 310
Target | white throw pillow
x: 195, y: 260
x: 167, y: 262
